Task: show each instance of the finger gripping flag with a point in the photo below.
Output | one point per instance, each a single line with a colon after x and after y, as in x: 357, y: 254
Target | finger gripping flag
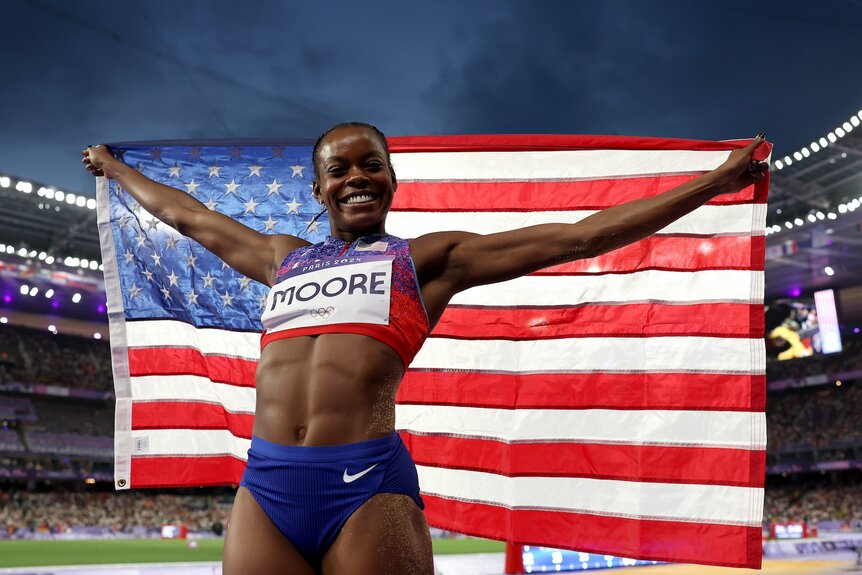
x: 610, y: 405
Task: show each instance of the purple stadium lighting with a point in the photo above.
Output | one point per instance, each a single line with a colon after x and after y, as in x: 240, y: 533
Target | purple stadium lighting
x: 795, y: 292
x: 100, y: 309
x: 55, y: 304
x: 7, y: 298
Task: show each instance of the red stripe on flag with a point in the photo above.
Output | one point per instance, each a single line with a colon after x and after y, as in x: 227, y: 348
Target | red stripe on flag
x: 676, y: 541
x: 673, y: 253
x: 692, y: 391
x: 630, y: 320
x: 540, y: 142
x: 190, y: 415
x: 545, y: 196
x: 189, y: 361
x: 662, y: 464
x: 178, y: 471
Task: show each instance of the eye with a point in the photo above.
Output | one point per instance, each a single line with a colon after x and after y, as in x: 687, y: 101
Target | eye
x: 336, y: 171
x: 374, y: 166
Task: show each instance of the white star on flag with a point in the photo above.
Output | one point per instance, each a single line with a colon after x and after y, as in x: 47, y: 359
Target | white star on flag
x: 134, y: 292
x: 173, y: 279
x: 214, y: 170
x: 273, y: 187
x: 148, y: 274
x: 226, y: 299
x: 171, y: 242
x: 250, y: 206
x: 157, y: 259
x: 243, y: 282
x: 190, y: 261
x: 211, y: 204
x: 165, y: 292
x: 270, y: 223
x: 293, y: 206
x: 312, y: 226
x: 192, y: 298
x: 297, y: 170
x: 175, y: 171
x: 192, y: 187
x: 231, y: 187
x: 208, y: 280
x: 141, y: 239
x: 129, y: 256
x: 254, y: 170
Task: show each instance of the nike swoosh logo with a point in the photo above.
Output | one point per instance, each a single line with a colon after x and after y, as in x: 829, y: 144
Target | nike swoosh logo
x: 351, y: 478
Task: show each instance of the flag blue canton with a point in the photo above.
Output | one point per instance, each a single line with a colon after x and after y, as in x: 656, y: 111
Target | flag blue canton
x: 164, y: 275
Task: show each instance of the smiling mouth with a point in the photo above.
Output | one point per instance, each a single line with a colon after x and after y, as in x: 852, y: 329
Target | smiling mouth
x: 359, y: 199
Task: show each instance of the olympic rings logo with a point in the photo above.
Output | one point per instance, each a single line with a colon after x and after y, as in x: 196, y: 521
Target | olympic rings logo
x: 322, y: 312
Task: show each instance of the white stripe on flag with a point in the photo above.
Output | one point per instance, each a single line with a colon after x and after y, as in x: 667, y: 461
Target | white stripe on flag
x: 647, y: 285
x: 170, y: 333
x: 188, y: 442
x: 733, y: 429
x: 668, y: 501
x: 193, y: 388
x: 551, y: 165
x: 706, y: 220
x: 601, y: 354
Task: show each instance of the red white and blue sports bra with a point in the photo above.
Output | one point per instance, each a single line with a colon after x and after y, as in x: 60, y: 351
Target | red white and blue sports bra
x: 368, y: 287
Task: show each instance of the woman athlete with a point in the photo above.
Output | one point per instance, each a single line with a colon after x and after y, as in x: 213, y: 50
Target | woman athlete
x: 329, y: 486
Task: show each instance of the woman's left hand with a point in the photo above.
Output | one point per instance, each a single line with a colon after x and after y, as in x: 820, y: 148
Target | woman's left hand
x: 741, y: 170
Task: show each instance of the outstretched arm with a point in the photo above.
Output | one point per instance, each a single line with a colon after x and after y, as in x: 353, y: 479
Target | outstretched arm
x: 248, y: 251
x: 449, y: 262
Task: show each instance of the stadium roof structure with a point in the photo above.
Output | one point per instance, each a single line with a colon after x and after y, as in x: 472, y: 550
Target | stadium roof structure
x: 814, y: 219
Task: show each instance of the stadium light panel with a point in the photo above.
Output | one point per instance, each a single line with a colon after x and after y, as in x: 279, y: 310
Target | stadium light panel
x: 49, y: 260
x: 812, y: 218
x: 42, y: 256
x: 798, y: 221
x: 788, y: 225
x: 49, y: 293
x: 97, y: 335
x: 842, y: 208
x: 839, y: 131
x: 778, y: 164
x: 832, y: 137
x: 81, y: 201
x: 76, y: 298
x: 70, y: 198
x: 22, y: 252
x: 4, y: 319
x: 805, y: 152
x: 60, y: 195
x: 25, y: 289
x: 831, y: 215
x: 829, y: 271
x: 855, y: 121
x: 5, y: 182
x: 32, y: 253
x: 10, y: 250
x: 797, y: 156
x: 23, y: 186
x: 820, y: 216
x: 91, y: 203
x: 53, y: 329
x: 2, y: 247
x: 49, y: 193
x: 848, y: 127
x: 94, y: 265
x: 34, y: 291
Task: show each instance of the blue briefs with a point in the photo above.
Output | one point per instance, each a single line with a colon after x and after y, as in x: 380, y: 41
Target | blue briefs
x: 310, y: 492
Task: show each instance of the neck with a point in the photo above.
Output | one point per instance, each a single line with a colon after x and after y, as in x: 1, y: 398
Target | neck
x: 353, y: 235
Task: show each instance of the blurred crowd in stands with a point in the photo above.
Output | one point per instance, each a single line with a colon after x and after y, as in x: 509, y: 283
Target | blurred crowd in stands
x: 36, y: 356
x: 117, y: 512
x: 815, y: 504
x: 821, y: 416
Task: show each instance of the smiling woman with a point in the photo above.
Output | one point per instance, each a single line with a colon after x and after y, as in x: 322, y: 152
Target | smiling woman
x: 329, y: 486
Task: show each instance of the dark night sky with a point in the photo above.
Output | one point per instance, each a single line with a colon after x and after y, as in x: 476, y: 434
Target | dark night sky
x: 75, y: 73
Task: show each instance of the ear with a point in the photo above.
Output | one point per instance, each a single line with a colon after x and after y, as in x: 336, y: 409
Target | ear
x: 315, y: 191
x: 394, y: 180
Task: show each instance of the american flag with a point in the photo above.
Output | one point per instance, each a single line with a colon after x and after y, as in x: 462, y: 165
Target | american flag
x: 611, y: 405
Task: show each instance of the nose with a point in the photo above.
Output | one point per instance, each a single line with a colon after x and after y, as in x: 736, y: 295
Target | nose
x: 357, y: 179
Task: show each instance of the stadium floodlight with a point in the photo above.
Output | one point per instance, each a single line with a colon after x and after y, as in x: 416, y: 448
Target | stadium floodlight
x: 788, y: 225
x: 820, y: 216
x: 805, y: 152
x: 50, y: 293
x: 22, y: 252
x: 4, y: 319
x: 101, y: 268
x: 2, y: 247
x: 5, y: 182
x: 831, y: 215
x: 32, y: 253
x: 91, y: 203
x: 70, y: 198
x: 76, y: 298
x: 94, y: 265
x: 829, y: 271
x: 855, y: 121
x: 778, y: 164
x: 839, y: 131
x: 85, y: 263
x: 859, y: 113
x: 53, y: 329
x: 49, y: 193
x: 832, y: 137
x: 815, y: 147
x: 848, y: 127
x: 97, y: 335
x: 81, y: 201
x: 34, y: 291
x: 42, y: 256
x: 812, y: 218
x: 10, y: 250
x: 824, y: 142
x: 49, y: 260
x: 797, y: 156
x: 23, y: 186
x: 25, y: 289
x: 798, y: 221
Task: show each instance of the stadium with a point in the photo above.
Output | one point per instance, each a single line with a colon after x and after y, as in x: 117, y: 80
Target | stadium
x: 96, y: 479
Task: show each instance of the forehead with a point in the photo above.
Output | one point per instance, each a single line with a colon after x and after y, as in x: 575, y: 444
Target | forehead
x: 351, y: 139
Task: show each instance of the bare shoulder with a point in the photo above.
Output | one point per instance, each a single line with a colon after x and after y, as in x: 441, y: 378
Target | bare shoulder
x: 282, y: 245
x: 431, y: 252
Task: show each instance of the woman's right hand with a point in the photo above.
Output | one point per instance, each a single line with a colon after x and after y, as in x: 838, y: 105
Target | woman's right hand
x: 96, y: 158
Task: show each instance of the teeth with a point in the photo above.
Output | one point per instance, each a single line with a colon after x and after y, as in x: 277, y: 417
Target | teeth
x: 358, y: 199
